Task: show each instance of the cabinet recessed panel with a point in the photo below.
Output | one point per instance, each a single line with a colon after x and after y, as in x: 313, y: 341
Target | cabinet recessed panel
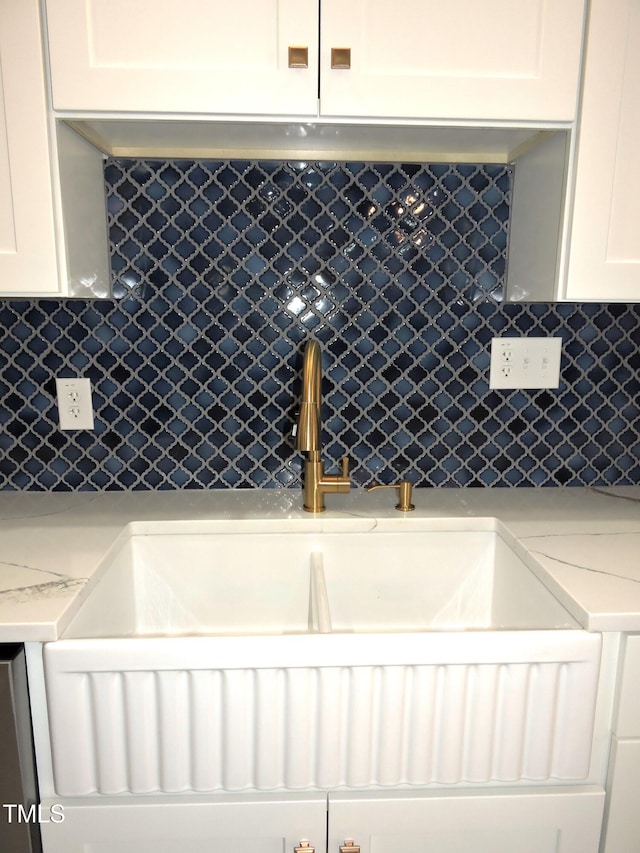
x: 623, y: 241
x: 527, y: 839
x: 500, y: 38
x: 7, y: 225
x: 123, y: 34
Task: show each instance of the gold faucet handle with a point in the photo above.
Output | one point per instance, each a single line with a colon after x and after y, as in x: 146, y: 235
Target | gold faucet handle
x: 345, y: 467
x: 404, y: 495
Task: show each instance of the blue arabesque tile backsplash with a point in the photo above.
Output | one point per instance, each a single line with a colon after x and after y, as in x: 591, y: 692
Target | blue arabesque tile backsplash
x: 222, y: 270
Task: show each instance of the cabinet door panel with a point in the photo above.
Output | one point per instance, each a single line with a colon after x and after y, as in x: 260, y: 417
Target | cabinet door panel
x: 627, y: 718
x: 622, y: 833
x: 27, y: 237
x: 502, y: 59
x: 604, y: 260
x: 251, y: 824
x: 524, y: 821
x: 198, y: 56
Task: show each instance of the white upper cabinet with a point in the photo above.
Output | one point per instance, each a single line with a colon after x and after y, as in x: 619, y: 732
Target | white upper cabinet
x: 604, y: 246
x: 503, y: 60
x: 196, y: 56
x: 27, y: 236
x: 511, y: 60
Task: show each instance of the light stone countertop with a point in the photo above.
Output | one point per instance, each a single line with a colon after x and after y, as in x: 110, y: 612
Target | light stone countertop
x: 584, y: 544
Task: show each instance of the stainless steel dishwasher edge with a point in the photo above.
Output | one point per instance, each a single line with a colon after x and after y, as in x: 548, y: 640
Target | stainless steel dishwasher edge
x: 19, y: 828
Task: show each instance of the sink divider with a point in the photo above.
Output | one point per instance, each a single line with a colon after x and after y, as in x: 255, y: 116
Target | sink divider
x: 319, y: 613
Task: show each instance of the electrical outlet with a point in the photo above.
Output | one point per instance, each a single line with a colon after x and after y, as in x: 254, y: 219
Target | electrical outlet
x: 525, y: 363
x: 75, y: 409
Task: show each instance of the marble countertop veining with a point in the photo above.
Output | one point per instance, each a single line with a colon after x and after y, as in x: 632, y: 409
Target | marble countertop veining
x: 584, y: 544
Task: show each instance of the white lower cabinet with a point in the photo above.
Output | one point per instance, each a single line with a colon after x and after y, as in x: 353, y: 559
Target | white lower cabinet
x: 622, y: 829
x: 469, y: 821
x: 249, y: 823
x: 526, y: 820
x: 621, y: 833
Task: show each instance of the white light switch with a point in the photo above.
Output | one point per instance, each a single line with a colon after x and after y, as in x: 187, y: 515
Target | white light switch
x: 75, y: 409
x: 525, y: 363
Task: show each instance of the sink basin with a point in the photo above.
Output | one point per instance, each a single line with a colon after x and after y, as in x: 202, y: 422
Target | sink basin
x: 195, y: 584
x: 446, y: 581
x: 318, y: 654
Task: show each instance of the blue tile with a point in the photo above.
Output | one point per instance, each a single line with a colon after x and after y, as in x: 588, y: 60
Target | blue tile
x: 221, y: 270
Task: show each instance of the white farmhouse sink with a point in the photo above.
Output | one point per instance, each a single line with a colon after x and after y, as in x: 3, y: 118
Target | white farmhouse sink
x: 318, y: 654
x: 195, y: 584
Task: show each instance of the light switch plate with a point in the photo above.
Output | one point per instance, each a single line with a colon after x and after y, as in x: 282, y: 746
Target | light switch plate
x: 525, y: 363
x: 75, y: 409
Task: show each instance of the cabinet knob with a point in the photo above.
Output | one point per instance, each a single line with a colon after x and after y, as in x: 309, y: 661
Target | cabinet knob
x: 298, y: 57
x: 341, y: 58
x: 349, y: 847
x: 304, y: 847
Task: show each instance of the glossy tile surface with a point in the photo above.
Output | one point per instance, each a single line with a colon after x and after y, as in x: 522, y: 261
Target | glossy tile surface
x: 222, y: 270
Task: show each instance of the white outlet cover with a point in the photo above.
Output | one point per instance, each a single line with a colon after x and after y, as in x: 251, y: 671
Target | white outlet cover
x: 526, y: 363
x: 75, y: 407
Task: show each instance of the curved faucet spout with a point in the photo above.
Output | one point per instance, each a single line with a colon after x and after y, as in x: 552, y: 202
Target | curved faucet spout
x: 309, y: 419
x: 308, y: 435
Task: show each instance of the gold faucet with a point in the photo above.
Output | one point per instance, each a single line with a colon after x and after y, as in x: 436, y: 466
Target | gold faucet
x: 308, y: 436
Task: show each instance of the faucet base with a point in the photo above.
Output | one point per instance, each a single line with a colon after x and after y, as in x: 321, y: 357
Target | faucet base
x: 312, y: 509
x: 317, y: 484
x: 313, y: 497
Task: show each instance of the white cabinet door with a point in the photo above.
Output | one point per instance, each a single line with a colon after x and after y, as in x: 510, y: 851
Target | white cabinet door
x: 196, y: 56
x: 498, y: 59
x: 27, y: 236
x: 530, y: 821
x: 622, y: 823
x: 251, y: 824
x: 561, y: 820
x: 622, y: 830
x: 604, y: 248
x: 627, y: 717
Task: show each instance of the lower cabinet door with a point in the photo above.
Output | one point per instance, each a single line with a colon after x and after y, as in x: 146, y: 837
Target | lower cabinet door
x: 565, y: 820
x: 622, y: 830
x: 242, y: 824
